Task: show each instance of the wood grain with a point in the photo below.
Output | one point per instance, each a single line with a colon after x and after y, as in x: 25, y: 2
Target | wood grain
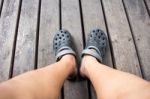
x: 72, y: 22
x: 8, y: 23
x: 122, y: 42
x: 94, y: 18
x: 26, y: 39
x: 140, y: 24
x: 49, y: 24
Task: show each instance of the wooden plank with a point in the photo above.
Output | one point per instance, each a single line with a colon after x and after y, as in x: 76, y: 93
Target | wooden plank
x: 140, y: 24
x: 72, y: 22
x: 122, y: 42
x: 26, y: 39
x: 148, y: 4
x: 49, y: 24
x: 94, y: 18
x: 8, y: 23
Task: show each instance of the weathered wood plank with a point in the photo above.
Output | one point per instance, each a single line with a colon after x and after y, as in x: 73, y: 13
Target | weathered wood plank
x: 148, y: 4
x: 49, y: 24
x: 72, y: 22
x: 8, y: 23
x: 140, y: 24
x: 94, y: 18
x: 26, y: 39
x: 122, y: 42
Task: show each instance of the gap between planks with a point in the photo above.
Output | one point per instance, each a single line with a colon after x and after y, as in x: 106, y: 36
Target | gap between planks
x: 15, y: 40
x: 1, y: 6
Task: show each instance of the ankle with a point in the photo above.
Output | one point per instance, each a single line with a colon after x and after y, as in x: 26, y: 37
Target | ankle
x: 68, y: 58
x: 87, y: 62
x: 70, y: 61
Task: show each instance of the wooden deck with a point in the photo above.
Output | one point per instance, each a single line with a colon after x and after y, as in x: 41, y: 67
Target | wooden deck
x: 27, y: 28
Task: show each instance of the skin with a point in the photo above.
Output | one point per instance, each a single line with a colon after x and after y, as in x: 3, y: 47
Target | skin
x: 113, y: 84
x: 46, y: 83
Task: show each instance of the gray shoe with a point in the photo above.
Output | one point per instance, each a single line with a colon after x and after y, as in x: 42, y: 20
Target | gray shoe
x: 62, y: 44
x: 96, y: 44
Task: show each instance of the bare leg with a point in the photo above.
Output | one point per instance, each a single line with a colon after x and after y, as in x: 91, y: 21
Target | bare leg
x: 43, y: 83
x: 114, y: 84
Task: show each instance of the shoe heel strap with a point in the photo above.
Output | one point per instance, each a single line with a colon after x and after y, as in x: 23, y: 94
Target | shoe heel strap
x: 93, y: 53
x: 63, y: 51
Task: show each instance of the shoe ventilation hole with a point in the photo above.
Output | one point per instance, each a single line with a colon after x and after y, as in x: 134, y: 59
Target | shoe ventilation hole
x: 98, y: 30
